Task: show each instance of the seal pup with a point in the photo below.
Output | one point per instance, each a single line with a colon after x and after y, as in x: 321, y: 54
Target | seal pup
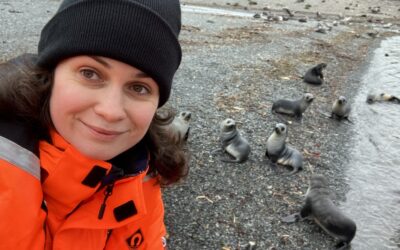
x: 180, y: 126
x: 382, y: 97
x: 233, y: 142
x: 319, y: 207
x: 293, y: 108
x: 314, y: 75
x: 340, y: 109
x: 278, y: 152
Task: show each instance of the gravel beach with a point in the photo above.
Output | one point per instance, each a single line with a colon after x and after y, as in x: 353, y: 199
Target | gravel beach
x: 234, y: 66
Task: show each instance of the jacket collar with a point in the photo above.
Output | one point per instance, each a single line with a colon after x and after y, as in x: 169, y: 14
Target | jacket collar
x: 132, y: 161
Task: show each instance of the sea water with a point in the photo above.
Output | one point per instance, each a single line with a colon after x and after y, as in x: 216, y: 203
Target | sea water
x: 373, y: 201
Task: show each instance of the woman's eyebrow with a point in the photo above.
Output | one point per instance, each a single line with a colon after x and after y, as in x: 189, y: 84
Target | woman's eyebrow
x: 101, y: 61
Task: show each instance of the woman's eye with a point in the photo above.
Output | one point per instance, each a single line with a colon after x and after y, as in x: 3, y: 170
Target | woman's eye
x: 140, y: 89
x: 89, y: 74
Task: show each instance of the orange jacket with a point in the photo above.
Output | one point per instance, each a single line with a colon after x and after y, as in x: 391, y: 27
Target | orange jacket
x: 90, y: 204
x: 21, y: 216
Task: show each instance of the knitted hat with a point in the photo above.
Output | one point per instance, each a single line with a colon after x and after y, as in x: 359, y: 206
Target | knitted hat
x: 141, y: 33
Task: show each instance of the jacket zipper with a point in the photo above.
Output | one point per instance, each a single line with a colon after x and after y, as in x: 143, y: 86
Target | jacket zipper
x: 116, y: 174
x: 107, y: 193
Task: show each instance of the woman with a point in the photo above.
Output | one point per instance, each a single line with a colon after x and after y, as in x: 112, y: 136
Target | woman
x: 83, y: 153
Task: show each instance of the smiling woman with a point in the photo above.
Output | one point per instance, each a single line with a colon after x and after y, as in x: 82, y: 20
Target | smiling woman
x: 79, y: 128
x: 102, y: 106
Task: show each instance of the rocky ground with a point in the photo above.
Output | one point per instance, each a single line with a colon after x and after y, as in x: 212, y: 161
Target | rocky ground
x: 236, y: 66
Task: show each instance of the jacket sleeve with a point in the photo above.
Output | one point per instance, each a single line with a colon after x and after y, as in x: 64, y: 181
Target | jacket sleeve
x: 21, y: 215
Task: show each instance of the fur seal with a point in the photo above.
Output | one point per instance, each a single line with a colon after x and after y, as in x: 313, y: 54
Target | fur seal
x: 180, y: 126
x: 293, y: 108
x: 340, y: 108
x: 371, y: 98
x: 319, y: 207
x: 278, y: 152
x: 233, y: 142
x: 314, y: 75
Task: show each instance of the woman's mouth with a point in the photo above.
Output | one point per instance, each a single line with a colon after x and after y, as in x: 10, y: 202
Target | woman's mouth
x: 101, y: 133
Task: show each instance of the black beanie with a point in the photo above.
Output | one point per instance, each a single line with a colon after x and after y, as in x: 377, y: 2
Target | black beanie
x: 141, y: 33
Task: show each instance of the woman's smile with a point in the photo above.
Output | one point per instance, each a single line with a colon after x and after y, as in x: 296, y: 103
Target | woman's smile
x: 102, y: 133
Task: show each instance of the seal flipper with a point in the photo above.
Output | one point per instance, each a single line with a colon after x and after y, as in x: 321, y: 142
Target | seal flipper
x: 280, y: 117
x: 272, y: 160
x: 186, y: 137
x: 341, y: 245
x: 350, y: 121
x: 306, y: 210
x: 299, y: 117
x: 294, y: 171
x: 216, y: 151
x: 232, y: 160
x: 292, y: 218
x: 394, y: 99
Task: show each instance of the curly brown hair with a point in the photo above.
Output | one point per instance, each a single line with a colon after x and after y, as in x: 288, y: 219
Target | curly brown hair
x: 25, y: 91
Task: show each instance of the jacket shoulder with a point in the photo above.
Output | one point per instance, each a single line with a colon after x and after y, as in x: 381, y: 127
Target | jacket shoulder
x: 19, y: 132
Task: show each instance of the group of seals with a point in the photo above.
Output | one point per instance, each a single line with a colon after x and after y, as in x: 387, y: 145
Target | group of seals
x: 319, y: 207
x: 314, y: 75
x: 233, y: 142
x: 278, y: 152
x: 294, y: 108
x: 383, y: 97
x: 318, y: 204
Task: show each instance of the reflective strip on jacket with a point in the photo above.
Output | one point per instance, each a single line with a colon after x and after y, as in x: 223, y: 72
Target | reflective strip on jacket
x: 22, y: 218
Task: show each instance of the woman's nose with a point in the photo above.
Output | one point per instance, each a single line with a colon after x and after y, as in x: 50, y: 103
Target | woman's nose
x: 110, y: 106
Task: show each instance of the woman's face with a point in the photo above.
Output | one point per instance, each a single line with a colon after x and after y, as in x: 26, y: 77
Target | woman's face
x: 102, y: 106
